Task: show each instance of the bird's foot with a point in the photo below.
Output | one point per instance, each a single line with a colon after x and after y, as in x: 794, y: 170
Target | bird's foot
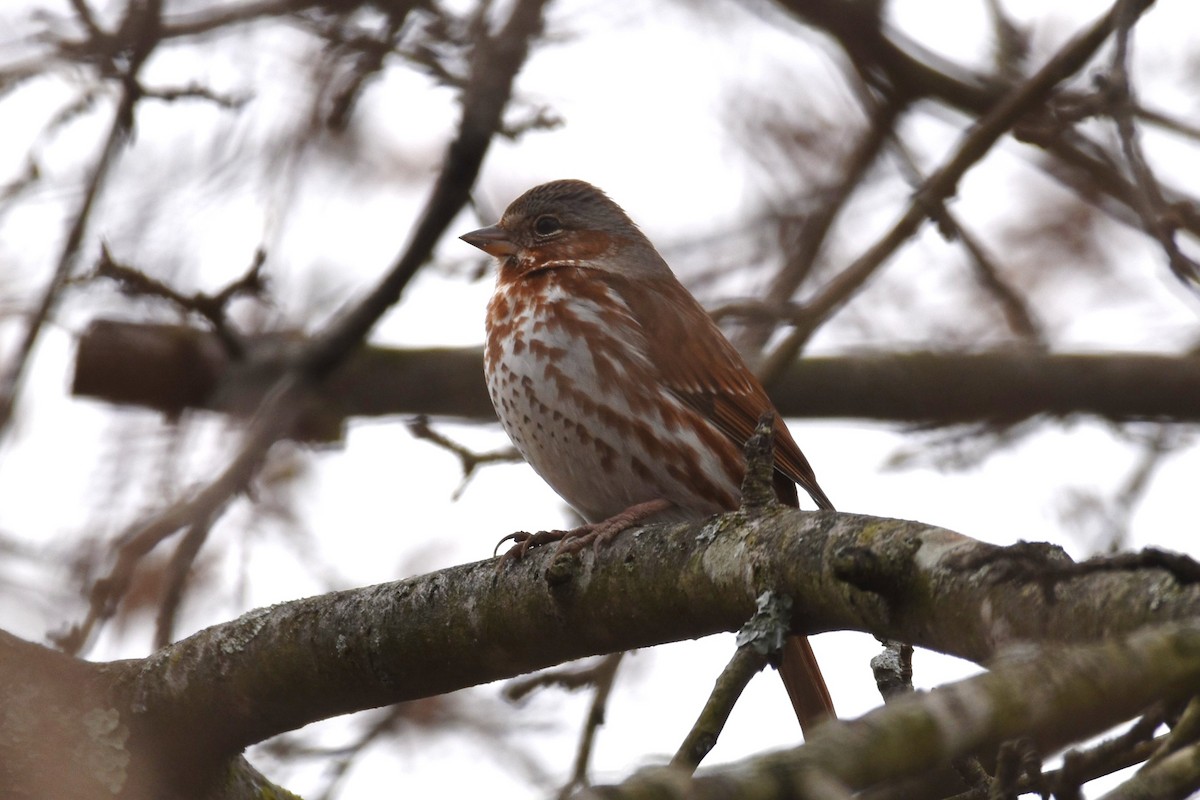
x: 575, y: 539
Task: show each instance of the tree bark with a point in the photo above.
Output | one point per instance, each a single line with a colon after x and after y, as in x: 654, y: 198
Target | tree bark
x: 179, y: 718
x: 173, y: 368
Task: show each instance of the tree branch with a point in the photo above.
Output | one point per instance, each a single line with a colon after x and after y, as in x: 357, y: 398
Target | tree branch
x: 943, y: 183
x: 173, y: 368
x: 1056, y: 696
x: 276, y: 669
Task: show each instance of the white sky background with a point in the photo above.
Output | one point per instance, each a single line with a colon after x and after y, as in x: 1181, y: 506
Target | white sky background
x: 641, y: 125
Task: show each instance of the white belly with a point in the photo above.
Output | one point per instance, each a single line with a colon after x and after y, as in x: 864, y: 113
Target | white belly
x: 593, y: 420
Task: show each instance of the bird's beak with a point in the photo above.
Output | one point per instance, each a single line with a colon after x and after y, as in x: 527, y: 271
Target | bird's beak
x: 492, y: 240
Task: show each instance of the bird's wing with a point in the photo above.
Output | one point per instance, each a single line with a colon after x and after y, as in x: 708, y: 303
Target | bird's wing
x: 701, y: 368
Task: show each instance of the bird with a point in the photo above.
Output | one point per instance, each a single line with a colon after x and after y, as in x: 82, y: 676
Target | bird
x: 619, y: 389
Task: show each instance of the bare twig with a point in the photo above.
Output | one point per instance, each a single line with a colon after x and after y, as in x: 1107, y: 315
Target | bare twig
x: 888, y: 60
x: 470, y: 460
x: 212, y: 307
x: 494, y: 65
x: 893, y: 670
x: 372, y: 53
x: 569, y: 678
x: 276, y: 416
x: 1114, y: 533
x: 802, y: 253
x: 747, y: 662
x: 762, y: 311
x: 605, y: 678
x: 1185, y: 730
x: 196, y: 92
x: 943, y: 183
x: 1017, y: 313
x: 140, y: 25
x: 233, y: 13
x: 1121, y: 751
x: 1149, y: 201
x: 176, y: 580
x: 1177, y: 775
x: 497, y: 59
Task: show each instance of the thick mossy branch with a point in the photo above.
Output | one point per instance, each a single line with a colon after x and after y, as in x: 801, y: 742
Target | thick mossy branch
x: 276, y: 669
x: 1058, y: 695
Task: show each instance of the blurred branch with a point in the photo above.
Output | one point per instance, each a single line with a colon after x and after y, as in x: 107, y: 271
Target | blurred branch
x: 1185, y: 729
x: 1105, y: 520
x: 1120, y: 752
x: 197, y: 511
x: 604, y: 677
x: 494, y: 65
x: 1177, y: 775
x: 177, y: 574
x: 212, y: 307
x: 801, y: 254
x: 943, y: 183
x: 901, y: 67
x: 920, y: 732
x: 372, y: 54
x: 470, y: 460
x: 136, y: 39
x: 233, y: 13
x: 495, y: 62
x: 1149, y: 202
x: 1017, y: 313
x: 172, y: 368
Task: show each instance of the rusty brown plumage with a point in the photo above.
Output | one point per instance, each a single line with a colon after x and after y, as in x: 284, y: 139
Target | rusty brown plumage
x: 618, y: 388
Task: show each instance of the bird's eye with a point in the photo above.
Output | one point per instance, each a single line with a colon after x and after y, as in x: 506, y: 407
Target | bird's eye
x: 546, y: 225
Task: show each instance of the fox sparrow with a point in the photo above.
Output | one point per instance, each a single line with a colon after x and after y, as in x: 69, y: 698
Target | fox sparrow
x: 619, y: 389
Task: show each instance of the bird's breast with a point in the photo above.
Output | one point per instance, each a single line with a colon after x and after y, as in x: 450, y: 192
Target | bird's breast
x: 569, y: 374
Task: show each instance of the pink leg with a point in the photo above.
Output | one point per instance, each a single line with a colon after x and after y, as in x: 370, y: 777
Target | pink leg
x: 574, y: 540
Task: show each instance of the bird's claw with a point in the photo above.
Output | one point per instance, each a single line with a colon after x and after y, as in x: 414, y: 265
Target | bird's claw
x: 522, y: 542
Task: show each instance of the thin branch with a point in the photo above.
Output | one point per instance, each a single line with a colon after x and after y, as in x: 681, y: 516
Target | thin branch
x: 1076, y: 162
x: 1184, y: 731
x: 176, y: 580
x: 372, y: 53
x: 800, y: 257
x: 212, y: 307
x: 197, y: 92
x: 943, y: 183
x: 469, y: 460
x: 494, y: 65
x: 747, y: 662
x: 233, y: 13
x: 142, y: 16
x: 1017, y: 313
x: 1176, y: 776
x: 497, y: 59
x: 275, y: 417
x: 1036, y: 697
x: 569, y: 678
x: 605, y: 679
x: 1149, y: 201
